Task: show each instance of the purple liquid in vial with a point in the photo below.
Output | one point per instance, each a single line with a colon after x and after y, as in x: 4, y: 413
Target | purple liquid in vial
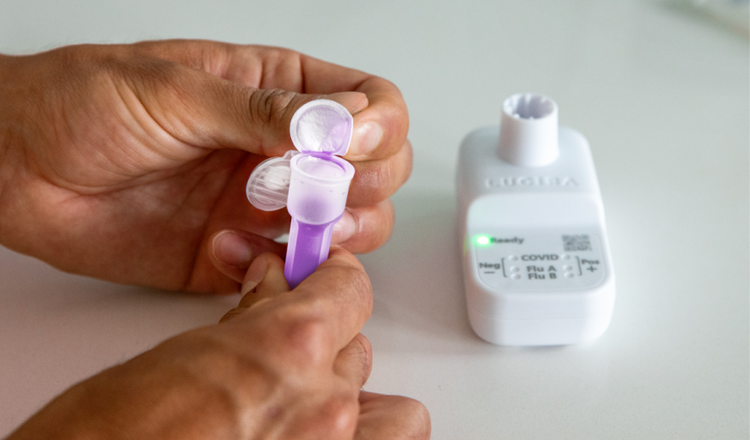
x: 318, y: 184
x: 318, y: 188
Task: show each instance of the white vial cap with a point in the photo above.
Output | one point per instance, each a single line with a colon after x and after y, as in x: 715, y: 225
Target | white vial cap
x: 320, y: 126
x: 528, y: 130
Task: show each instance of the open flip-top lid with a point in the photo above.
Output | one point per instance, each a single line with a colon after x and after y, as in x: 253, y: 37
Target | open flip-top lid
x: 320, y: 126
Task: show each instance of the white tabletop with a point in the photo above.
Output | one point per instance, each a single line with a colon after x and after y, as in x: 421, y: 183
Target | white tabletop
x: 662, y: 96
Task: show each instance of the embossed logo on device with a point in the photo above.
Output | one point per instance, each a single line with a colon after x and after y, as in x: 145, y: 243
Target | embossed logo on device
x: 514, y: 181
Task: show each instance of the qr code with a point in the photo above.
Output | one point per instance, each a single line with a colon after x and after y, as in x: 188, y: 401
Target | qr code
x: 573, y: 243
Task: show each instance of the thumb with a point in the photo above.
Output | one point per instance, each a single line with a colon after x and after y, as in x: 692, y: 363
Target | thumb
x: 202, y: 110
x: 270, y: 111
x: 264, y: 280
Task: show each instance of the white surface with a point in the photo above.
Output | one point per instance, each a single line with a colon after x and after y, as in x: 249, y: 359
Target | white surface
x: 662, y: 98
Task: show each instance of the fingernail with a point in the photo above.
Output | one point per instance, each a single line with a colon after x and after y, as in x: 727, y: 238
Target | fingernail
x: 255, y: 274
x: 366, y: 138
x: 232, y: 249
x: 344, y: 229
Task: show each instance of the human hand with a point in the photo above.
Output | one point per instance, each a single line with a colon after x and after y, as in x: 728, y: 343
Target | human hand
x: 282, y: 365
x: 128, y: 162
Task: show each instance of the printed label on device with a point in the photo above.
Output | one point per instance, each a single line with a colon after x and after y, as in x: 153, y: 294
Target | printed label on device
x: 534, y: 261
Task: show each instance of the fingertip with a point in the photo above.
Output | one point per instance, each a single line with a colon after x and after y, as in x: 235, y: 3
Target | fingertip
x: 381, y: 129
x: 255, y: 274
x: 354, y: 361
x: 342, y: 269
x: 264, y: 278
x: 231, y: 251
x: 365, y: 139
x: 374, y: 227
x: 344, y: 229
x: 393, y: 416
x: 338, y: 255
x: 367, y: 347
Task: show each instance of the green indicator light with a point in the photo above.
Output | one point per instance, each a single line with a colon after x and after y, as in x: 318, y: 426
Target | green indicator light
x: 483, y: 240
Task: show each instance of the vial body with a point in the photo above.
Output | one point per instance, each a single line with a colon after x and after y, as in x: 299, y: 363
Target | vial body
x: 318, y: 188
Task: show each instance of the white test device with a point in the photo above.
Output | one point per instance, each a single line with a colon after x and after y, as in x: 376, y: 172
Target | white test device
x: 536, y: 261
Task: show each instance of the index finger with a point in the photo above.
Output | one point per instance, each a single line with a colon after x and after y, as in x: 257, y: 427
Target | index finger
x: 338, y: 296
x: 312, y: 322
x: 380, y: 129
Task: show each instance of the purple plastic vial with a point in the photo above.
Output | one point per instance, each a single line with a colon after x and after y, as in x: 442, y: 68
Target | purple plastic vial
x: 313, y: 184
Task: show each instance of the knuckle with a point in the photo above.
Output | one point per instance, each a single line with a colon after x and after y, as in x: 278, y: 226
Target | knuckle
x: 271, y: 53
x: 307, y: 339
x: 375, y: 225
x: 406, y: 417
x: 269, y: 106
x: 338, y: 416
x: 73, y: 56
x: 82, y: 67
x: 272, y: 109
x: 361, y: 352
x: 416, y: 422
x: 278, y: 62
x: 379, y: 182
x: 376, y: 181
x: 359, y: 281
